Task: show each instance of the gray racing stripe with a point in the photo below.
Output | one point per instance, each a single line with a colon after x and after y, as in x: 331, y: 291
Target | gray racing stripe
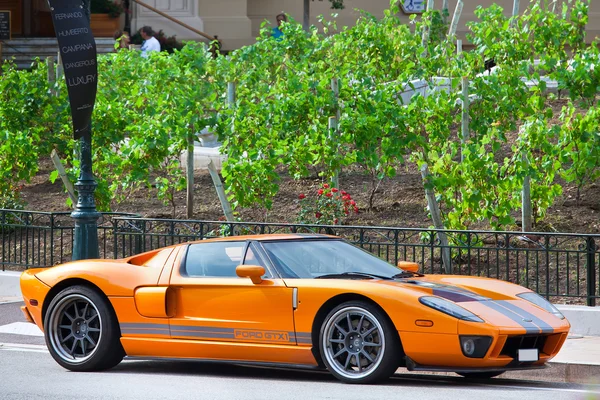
x: 143, y: 325
x: 204, y: 335
x: 130, y: 331
x: 529, y: 326
x: 545, y: 327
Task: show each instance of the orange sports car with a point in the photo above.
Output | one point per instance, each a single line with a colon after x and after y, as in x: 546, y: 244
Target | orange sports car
x: 296, y: 300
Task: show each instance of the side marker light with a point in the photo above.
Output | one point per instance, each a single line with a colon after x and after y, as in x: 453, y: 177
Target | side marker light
x: 424, y: 322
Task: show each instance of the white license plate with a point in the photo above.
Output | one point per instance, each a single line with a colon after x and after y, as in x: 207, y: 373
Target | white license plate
x: 529, y: 355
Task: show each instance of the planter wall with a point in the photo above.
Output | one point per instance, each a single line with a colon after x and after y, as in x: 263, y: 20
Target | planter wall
x: 104, y: 26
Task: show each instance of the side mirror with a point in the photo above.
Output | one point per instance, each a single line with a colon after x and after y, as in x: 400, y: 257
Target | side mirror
x: 408, y: 266
x: 254, y: 272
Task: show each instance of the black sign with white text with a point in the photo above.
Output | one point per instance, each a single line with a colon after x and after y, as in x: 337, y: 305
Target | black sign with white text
x: 78, y: 52
x: 4, y: 25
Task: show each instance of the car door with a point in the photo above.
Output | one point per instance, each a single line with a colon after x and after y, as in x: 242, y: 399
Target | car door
x: 213, y: 304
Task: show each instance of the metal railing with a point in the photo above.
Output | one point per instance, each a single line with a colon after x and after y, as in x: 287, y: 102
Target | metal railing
x: 30, y: 239
x: 560, y: 267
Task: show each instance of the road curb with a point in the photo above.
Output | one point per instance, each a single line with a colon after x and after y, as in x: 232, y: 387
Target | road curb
x: 560, y: 372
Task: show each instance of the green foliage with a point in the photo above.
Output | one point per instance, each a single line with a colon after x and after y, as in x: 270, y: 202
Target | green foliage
x: 147, y: 109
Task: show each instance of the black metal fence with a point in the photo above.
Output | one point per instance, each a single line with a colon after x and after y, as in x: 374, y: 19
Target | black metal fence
x: 561, y: 267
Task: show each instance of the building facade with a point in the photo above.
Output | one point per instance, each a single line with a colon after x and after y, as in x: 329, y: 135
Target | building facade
x: 237, y: 22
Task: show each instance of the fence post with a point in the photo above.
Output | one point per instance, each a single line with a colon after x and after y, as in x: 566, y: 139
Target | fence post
x: 437, y: 219
x: 591, y: 272
x: 115, y: 238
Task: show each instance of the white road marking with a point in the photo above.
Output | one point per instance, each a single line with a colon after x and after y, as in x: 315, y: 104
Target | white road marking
x: 36, y: 348
x: 551, y: 389
x: 21, y: 328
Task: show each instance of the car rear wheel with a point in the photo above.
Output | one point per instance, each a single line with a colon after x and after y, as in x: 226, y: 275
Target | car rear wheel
x: 81, y: 330
x: 358, y: 344
x: 480, y: 375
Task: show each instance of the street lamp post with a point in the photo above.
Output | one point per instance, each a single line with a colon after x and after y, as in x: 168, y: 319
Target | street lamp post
x: 86, y: 216
x: 77, y: 48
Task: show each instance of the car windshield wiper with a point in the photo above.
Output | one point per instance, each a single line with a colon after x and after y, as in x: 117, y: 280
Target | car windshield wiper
x: 352, y: 274
x: 406, y: 274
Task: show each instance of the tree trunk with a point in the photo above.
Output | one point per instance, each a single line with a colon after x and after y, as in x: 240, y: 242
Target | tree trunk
x: 306, y: 21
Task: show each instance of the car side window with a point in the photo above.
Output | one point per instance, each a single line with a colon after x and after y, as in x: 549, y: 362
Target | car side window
x: 213, y: 259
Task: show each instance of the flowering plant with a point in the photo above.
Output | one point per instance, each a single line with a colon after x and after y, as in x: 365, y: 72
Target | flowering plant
x: 328, y: 208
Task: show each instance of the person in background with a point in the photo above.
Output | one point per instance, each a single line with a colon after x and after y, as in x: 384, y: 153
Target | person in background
x: 150, y: 42
x: 277, y: 33
x: 123, y: 38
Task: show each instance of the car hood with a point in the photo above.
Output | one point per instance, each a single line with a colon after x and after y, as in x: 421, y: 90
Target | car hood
x: 492, y: 300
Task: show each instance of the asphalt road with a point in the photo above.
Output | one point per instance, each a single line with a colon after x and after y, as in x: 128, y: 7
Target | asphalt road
x: 28, y: 372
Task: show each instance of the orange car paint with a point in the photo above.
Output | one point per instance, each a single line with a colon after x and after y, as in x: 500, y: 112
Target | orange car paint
x: 234, y: 319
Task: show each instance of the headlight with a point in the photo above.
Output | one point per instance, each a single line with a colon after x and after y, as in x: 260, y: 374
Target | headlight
x: 448, y: 307
x: 541, y: 302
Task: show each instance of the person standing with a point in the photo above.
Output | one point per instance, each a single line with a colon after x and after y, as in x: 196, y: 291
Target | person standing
x: 150, y: 42
x: 277, y: 33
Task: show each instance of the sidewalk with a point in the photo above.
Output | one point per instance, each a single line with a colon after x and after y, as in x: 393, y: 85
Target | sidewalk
x: 10, y: 289
x: 577, y: 362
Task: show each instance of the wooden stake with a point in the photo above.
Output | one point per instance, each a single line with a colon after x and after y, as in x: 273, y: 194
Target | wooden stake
x: 445, y: 11
x: 515, y: 11
x: 190, y: 175
x: 437, y: 219
x: 333, y: 125
x: 526, y: 225
x: 220, y: 191
x: 425, y: 38
x: 455, y: 19
x: 51, y: 74
x: 63, y: 176
x: 335, y: 180
x: 465, y: 133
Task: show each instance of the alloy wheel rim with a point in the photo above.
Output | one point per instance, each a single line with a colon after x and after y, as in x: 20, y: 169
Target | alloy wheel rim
x: 354, y: 342
x: 75, y: 329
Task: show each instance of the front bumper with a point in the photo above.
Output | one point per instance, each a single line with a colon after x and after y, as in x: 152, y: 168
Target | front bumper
x: 442, y: 352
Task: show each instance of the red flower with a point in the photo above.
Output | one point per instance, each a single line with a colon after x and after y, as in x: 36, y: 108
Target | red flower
x: 334, y: 190
x: 343, y: 192
x: 326, y: 186
x: 356, y: 209
x: 318, y: 215
x: 329, y: 194
x: 353, y: 202
x: 302, y: 196
x: 346, y: 197
x: 320, y: 192
x: 335, y: 221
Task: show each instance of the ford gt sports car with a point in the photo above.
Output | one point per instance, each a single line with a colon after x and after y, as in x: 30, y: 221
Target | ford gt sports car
x: 310, y: 300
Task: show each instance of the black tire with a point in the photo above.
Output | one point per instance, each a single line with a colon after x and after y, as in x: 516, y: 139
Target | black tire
x: 81, y: 330
x: 364, y: 323
x: 480, y: 375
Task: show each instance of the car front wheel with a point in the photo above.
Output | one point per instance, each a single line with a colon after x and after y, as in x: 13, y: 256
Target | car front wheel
x: 81, y: 330
x: 359, y: 344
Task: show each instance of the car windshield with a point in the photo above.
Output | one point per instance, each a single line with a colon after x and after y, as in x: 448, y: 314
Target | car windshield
x: 322, y: 258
